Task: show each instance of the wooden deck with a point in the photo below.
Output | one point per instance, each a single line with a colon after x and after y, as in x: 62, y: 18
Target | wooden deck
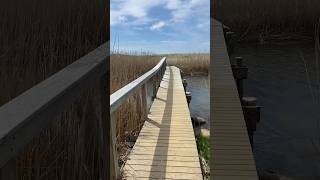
x: 166, y: 146
x: 231, y: 154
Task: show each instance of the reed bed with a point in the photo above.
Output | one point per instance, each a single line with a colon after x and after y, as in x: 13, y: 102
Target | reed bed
x: 269, y: 16
x: 190, y: 63
x: 125, y: 68
x: 38, y: 38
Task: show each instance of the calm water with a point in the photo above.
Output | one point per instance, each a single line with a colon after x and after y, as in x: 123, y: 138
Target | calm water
x: 287, y: 139
x: 200, y: 101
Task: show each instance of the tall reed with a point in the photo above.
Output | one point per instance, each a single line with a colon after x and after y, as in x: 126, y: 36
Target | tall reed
x: 269, y: 16
x: 190, y: 63
x: 38, y: 38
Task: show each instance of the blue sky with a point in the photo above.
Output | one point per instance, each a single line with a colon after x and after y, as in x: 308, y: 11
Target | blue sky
x: 160, y: 26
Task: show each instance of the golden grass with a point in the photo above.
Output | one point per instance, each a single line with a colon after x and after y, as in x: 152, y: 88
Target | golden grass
x: 126, y: 68
x: 190, y: 63
x: 38, y: 39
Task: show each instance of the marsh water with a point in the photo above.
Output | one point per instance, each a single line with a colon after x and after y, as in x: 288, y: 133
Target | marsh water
x: 284, y: 80
x: 199, y: 106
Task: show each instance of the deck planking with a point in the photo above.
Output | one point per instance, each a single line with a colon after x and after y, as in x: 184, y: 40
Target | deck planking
x: 166, y: 146
x: 231, y: 154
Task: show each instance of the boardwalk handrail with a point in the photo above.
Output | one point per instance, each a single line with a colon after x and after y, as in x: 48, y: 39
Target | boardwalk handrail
x: 28, y: 114
x: 118, y: 97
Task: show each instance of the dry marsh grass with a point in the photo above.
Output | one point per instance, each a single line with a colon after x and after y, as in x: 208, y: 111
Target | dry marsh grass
x: 190, y: 63
x: 38, y: 38
x: 126, y: 68
x: 269, y: 16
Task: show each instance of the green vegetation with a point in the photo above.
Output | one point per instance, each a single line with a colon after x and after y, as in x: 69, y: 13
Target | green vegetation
x: 203, y: 145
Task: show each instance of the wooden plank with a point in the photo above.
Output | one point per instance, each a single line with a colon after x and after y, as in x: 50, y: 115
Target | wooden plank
x: 166, y: 147
x: 134, y: 175
x: 231, y: 153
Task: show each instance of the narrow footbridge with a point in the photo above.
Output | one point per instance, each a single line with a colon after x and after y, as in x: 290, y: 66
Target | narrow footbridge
x: 166, y: 146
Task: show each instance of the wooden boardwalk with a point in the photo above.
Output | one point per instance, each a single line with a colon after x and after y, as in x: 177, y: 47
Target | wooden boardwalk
x: 231, y: 154
x: 166, y: 146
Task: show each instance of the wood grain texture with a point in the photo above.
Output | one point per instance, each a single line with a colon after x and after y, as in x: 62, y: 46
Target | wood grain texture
x: 166, y: 146
x: 231, y: 154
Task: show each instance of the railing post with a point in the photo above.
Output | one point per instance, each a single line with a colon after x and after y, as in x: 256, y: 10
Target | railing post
x: 155, y: 83
x: 9, y: 171
x: 144, y: 97
x: 240, y: 72
x: 105, y: 128
x: 113, y: 149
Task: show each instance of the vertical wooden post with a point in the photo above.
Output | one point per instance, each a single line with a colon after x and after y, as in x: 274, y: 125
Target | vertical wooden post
x: 105, y: 126
x: 114, y: 167
x: 239, y: 81
x: 144, y: 98
x: 154, y: 88
x: 9, y: 171
x: 185, y: 84
x: 188, y: 96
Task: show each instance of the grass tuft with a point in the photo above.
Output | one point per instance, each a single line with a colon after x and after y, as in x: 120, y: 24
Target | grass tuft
x: 203, y: 145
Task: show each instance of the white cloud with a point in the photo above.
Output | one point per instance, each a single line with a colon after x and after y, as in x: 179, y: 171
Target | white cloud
x: 116, y: 18
x: 181, y: 9
x: 158, y: 26
x: 182, y: 24
x: 138, y: 9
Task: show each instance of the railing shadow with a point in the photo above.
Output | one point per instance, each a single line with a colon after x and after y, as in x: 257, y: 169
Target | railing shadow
x: 159, y: 151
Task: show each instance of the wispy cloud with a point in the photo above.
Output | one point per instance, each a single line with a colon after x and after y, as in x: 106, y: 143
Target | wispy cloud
x: 157, y: 21
x: 158, y: 26
x: 123, y: 9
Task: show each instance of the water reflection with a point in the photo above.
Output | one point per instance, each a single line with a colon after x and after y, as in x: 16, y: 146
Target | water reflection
x: 200, y: 102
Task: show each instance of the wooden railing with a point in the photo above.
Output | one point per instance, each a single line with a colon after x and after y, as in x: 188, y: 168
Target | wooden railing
x: 120, y: 96
x: 24, y: 117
